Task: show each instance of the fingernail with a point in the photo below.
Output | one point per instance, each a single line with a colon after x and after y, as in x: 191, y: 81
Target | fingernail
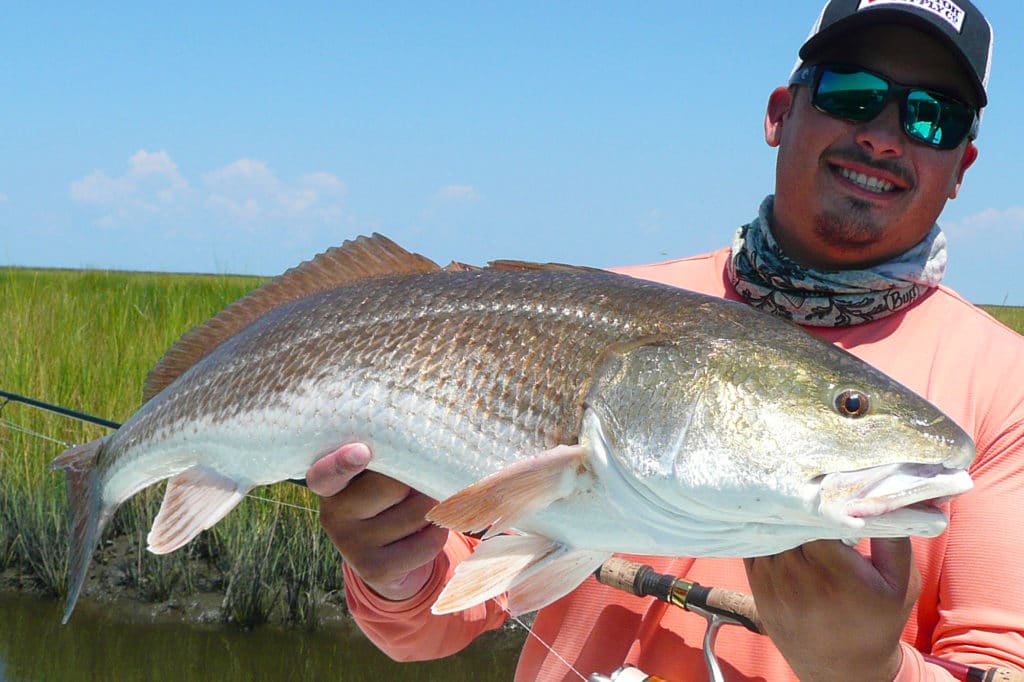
x: 357, y: 454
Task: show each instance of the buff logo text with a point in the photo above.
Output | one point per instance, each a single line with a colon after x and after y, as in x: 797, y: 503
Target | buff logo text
x: 895, y: 300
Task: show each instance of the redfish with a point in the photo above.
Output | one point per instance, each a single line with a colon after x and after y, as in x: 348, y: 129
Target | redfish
x: 583, y: 411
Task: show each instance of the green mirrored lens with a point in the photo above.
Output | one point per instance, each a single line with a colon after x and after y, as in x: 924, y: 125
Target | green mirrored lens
x: 936, y: 120
x: 856, y: 96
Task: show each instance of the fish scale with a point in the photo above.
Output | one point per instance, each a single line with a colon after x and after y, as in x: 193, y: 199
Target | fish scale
x: 590, y: 411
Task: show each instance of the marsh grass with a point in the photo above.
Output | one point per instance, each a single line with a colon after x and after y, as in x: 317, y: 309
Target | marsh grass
x: 1011, y: 316
x: 85, y: 340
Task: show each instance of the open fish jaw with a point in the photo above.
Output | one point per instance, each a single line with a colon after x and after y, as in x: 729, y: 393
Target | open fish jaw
x: 883, y: 497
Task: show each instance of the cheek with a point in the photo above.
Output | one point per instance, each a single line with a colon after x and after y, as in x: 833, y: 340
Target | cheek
x: 938, y: 181
x: 808, y: 135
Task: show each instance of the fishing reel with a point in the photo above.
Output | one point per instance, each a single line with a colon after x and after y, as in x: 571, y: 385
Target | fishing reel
x: 625, y: 674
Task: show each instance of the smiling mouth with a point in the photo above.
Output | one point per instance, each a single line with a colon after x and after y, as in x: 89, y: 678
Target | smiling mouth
x: 868, y: 183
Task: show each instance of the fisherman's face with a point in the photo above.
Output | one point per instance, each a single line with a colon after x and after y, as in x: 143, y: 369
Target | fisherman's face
x: 823, y: 217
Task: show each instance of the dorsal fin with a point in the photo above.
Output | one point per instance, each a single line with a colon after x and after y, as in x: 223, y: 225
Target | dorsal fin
x: 358, y: 259
x: 507, y: 265
x: 456, y: 266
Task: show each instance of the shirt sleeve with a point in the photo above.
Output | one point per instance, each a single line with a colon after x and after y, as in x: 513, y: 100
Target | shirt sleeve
x: 407, y: 630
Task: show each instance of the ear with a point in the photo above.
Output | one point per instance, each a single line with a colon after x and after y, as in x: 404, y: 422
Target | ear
x: 969, y: 157
x: 779, y: 104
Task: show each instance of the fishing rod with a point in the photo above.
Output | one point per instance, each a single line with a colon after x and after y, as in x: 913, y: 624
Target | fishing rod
x: 717, y: 605
x: 56, y: 409
x: 728, y: 607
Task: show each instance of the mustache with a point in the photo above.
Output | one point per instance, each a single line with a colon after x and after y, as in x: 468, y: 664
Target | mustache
x: 859, y: 156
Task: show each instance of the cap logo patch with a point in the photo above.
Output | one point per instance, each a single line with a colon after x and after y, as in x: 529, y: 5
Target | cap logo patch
x: 946, y: 9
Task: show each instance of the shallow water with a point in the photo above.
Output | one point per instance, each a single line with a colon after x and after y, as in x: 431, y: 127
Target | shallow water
x: 97, y: 645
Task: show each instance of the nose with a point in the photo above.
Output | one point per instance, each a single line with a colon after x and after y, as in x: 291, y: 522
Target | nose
x: 883, y: 135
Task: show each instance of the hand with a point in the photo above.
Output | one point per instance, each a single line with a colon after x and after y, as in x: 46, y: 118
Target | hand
x: 376, y: 522
x: 833, y: 613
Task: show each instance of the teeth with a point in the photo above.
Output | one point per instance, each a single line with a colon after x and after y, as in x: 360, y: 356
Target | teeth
x: 869, y: 183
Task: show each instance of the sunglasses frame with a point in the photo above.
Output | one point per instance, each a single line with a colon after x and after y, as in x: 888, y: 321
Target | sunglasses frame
x: 810, y: 75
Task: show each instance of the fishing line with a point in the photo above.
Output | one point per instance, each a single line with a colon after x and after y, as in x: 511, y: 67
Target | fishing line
x: 21, y: 429
x: 531, y: 633
x: 283, y: 504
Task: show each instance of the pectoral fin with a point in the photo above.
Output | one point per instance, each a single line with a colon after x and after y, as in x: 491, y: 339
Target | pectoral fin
x: 534, y: 570
x: 195, y: 500
x: 500, y: 500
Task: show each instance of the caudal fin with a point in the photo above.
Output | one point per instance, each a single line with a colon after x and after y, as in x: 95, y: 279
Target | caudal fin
x: 86, y: 512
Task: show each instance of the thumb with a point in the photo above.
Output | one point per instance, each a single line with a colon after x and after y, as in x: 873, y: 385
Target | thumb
x: 893, y: 558
x: 331, y: 473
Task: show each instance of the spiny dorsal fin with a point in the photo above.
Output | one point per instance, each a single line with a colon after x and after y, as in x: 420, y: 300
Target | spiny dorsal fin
x: 456, y: 266
x: 506, y: 265
x: 355, y: 260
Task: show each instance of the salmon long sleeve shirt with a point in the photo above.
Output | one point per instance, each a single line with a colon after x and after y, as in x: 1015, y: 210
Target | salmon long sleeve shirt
x: 971, y: 608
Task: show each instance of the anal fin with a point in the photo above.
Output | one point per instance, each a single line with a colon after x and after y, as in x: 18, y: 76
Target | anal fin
x: 533, y: 569
x: 195, y: 500
x: 500, y: 500
x: 493, y: 568
x: 559, y: 576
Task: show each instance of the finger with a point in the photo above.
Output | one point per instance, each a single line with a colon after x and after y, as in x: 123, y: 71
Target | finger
x: 331, y: 473
x: 401, y: 569
x: 399, y: 521
x: 366, y: 496
x: 893, y: 558
x: 827, y: 552
x: 415, y: 550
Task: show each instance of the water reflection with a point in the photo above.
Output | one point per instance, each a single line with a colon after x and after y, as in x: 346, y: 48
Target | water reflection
x: 34, y: 647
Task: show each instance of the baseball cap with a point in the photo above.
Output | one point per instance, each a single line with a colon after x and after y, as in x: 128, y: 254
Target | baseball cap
x: 958, y: 24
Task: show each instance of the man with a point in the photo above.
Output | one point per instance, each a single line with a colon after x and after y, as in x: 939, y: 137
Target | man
x: 874, y: 133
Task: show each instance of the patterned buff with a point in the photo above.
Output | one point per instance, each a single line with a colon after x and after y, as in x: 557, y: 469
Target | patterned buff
x: 768, y: 280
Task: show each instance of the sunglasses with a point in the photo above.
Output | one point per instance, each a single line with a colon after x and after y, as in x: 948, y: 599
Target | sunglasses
x: 858, y: 95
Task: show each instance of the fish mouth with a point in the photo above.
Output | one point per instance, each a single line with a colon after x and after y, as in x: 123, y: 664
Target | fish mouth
x: 892, y: 499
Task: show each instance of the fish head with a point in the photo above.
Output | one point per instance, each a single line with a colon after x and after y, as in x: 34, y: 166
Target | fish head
x: 796, y: 433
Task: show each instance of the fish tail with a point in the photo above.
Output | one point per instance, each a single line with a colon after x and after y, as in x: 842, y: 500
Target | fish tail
x: 87, y: 517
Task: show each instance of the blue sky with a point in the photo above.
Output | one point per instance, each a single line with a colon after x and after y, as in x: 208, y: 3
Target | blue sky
x: 245, y: 138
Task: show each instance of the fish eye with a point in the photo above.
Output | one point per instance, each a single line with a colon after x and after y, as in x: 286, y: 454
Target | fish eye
x: 852, y: 403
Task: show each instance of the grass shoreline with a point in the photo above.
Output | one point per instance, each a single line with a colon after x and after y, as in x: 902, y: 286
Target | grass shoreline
x: 85, y: 340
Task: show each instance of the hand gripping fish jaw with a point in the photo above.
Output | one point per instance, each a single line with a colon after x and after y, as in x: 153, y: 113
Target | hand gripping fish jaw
x: 726, y: 607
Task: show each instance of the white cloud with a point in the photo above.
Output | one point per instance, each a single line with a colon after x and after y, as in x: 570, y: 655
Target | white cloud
x: 246, y: 191
x: 458, y: 193
x: 242, y: 189
x: 143, y: 163
x: 3, y: 197
x: 244, y: 173
x: 991, y: 220
x: 151, y: 184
